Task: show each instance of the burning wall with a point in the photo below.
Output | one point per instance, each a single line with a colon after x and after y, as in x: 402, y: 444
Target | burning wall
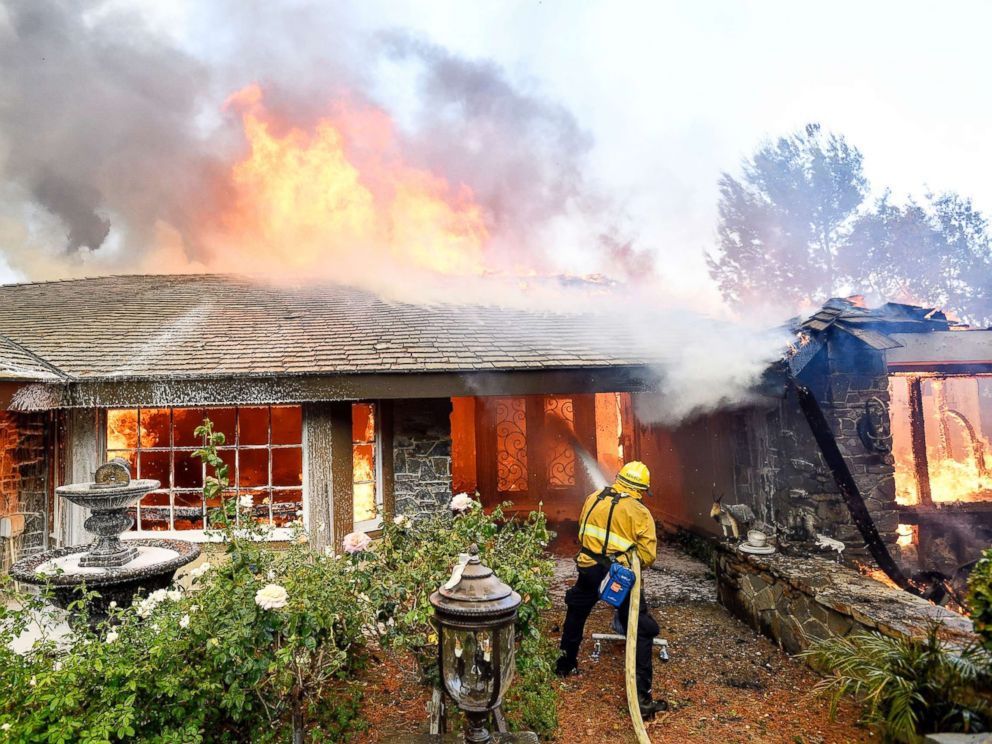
x: 24, y: 475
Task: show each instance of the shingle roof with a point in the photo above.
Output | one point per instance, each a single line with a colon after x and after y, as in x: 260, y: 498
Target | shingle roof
x: 158, y: 327
x: 17, y: 363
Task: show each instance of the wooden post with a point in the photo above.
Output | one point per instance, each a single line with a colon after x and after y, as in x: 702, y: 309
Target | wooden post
x: 919, y: 441
x: 328, y: 466
x: 342, y: 471
x: 83, y: 453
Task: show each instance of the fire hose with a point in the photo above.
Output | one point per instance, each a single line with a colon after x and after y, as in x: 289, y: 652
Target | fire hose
x: 630, y: 657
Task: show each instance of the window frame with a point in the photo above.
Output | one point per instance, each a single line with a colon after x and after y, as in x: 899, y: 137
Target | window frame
x: 370, y: 525
x: 273, y: 534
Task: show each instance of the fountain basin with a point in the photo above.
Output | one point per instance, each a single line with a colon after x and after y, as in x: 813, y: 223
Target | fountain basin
x: 65, y: 571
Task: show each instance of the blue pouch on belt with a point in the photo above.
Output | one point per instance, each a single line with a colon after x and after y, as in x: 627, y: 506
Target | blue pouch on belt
x: 617, y: 584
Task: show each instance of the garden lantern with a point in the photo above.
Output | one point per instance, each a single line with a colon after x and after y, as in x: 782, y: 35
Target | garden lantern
x: 475, y: 615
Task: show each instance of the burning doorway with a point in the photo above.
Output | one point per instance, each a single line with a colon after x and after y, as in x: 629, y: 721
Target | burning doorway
x: 941, y: 432
x: 551, y: 450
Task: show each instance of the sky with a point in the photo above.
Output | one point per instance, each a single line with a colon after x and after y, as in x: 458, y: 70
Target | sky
x: 665, y: 95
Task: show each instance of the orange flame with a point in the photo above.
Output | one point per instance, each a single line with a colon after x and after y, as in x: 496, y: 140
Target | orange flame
x: 304, y: 200
x: 957, y: 455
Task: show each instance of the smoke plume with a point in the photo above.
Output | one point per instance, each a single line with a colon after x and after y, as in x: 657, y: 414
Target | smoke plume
x: 271, y: 139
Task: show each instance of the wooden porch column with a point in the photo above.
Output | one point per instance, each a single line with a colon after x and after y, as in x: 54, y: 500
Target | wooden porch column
x: 327, y: 465
x: 83, y: 452
x: 919, y: 439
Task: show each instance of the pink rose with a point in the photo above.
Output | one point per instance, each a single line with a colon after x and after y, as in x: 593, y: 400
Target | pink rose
x: 356, y: 542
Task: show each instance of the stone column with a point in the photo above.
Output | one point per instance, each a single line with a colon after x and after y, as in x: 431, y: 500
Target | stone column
x: 421, y: 455
x: 858, y: 374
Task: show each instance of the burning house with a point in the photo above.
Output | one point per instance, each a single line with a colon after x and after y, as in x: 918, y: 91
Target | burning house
x: 345, y: 409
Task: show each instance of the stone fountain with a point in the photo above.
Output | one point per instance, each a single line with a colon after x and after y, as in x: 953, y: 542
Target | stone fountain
x: 114, y: 568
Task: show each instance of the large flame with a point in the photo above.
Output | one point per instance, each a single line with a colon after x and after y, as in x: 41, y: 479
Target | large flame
x: 958, y: 451
x: 311, y: 200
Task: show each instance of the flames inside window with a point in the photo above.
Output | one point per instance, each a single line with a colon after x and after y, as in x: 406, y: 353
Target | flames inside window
x: 263, y: 452
x: 559, y: 414
x: 367, y: 497
x: 511, y: 444
x: 941, y: 429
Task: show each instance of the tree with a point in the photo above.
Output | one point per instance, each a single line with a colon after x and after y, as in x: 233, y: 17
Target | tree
x: 798, y: 227
x: 784, y: 222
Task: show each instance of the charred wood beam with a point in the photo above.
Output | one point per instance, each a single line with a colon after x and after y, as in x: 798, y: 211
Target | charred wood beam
x: 918, y: 436
x: 849, y: 489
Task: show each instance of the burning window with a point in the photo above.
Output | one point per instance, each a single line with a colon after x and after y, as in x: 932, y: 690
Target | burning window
x: 263, y: 451
x: 367, y: 496
x: 511, y: 445
x: 559, y: 416
x: 464, y: 477
x: 940, y: 438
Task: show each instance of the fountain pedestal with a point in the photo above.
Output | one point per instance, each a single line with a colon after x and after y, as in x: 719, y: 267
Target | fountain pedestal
x: 107, y: 551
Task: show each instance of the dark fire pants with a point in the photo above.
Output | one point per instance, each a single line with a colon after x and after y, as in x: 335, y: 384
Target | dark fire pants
x: 580, y: 600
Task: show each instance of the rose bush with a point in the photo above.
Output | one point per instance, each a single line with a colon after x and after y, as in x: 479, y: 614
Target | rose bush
x: 396, y: 575
x: 263, y: 645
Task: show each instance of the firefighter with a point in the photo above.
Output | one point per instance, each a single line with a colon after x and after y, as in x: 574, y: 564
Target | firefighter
x: 611, y: 522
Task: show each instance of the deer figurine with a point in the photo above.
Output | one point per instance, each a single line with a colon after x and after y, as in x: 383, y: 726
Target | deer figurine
x: 732, y: 517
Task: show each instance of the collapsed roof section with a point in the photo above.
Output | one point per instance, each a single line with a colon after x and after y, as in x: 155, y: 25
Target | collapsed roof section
x: 875, y: 327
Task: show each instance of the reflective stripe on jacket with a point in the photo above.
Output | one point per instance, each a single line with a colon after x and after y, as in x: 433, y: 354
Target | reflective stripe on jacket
x: 632, y: 524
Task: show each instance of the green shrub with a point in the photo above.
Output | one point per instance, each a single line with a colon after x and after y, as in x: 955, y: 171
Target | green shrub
x: 397, y: 575
x: 265, y: 646
x: 980, y: 597
x: 259, y: 647
x: 907, y: 687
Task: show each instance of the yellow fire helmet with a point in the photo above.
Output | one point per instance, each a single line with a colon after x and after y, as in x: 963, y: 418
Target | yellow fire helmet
x: 635, y: 475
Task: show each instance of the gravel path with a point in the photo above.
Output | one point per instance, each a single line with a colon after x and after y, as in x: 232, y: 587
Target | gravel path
x: 725, y: 683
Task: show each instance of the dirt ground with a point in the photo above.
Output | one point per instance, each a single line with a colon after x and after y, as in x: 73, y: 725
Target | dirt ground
x: 724, y: 683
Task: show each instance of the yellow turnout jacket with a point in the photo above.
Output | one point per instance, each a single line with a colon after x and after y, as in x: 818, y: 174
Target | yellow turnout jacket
x: 632, y: 524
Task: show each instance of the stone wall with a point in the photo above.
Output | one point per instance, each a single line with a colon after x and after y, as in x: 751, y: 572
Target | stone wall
x: 858, y: 374
x: 780, y: 470
x: 23, y: 475
x: 421, y: 455
x: 797, y: 600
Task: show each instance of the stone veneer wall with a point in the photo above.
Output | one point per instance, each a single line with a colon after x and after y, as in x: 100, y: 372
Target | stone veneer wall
x: 780, y: 471
x: 857, y: 375
x: 23, y: 473
x: 421, y: 455
x: 797, y: 600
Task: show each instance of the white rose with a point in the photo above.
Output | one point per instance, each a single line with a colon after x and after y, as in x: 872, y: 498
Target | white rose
x: 111, y: 636
x: 159, y: 595
x: 5, y: 727
x: 113, y: 604
x: 356, y: 542
x: 175, y: 595
x: 271, y: 597
x: 402, y: 521
x: 462, y: 502
x: 184, y: 621
x: 247, y: 501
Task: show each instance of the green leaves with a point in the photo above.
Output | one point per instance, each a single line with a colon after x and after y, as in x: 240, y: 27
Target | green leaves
x: 393, y: 582
x: 907, y: 686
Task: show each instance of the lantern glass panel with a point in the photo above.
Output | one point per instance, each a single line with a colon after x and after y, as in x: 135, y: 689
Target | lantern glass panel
x: 469, y: 661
